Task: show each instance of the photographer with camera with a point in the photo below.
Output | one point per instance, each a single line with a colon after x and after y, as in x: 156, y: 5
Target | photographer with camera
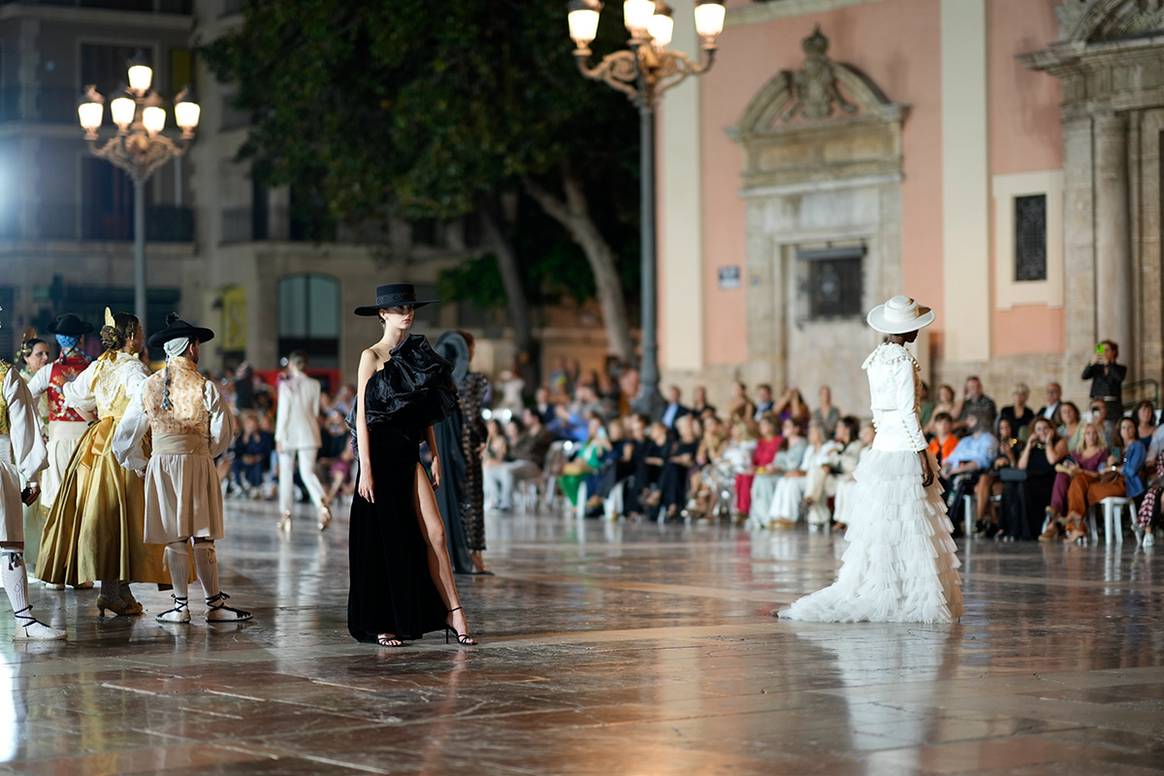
x: 1107, y: 378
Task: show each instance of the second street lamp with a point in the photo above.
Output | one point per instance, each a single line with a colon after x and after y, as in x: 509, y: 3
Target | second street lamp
x: 139, y: 147
x: 643, y: 72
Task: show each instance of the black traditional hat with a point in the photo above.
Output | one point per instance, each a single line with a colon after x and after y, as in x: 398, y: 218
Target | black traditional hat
x: 70, y: 326
x: 394, y: 295
x: 177, y: 328
x: 451, y: 346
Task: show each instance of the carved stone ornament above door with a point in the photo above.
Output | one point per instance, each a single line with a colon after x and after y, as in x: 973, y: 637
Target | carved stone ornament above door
x: 826, y: 120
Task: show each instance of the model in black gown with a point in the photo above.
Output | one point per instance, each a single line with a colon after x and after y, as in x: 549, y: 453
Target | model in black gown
x: 401, y: 579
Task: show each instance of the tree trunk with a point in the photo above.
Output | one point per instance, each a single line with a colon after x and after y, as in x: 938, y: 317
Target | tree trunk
x: 497, y: 238
x: 572, y: 213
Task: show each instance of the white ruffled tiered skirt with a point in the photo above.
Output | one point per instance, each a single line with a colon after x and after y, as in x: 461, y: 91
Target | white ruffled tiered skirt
x: 900, y: 565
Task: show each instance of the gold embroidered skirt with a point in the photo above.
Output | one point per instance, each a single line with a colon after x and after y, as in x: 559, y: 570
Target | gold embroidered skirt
x: 95, y: 528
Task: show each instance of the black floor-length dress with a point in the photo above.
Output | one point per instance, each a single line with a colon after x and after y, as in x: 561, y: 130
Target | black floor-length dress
x: 392, y: 590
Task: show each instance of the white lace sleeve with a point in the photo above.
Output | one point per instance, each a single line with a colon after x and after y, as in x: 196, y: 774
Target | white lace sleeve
x: 222, y: 424
x: 28, y: 448
x: 127, y: 440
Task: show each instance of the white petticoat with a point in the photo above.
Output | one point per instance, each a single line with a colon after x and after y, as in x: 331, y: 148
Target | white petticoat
x: 900, y: 565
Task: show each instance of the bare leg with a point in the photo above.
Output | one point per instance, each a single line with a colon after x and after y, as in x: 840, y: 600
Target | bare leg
x: 439, y: 564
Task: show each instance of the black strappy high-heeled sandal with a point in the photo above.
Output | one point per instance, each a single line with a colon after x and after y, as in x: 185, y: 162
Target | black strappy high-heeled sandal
x: 386, y: 640
x: 464, y: 639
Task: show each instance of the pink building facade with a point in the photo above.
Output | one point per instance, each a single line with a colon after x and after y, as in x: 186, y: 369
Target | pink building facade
x: 996, y: 159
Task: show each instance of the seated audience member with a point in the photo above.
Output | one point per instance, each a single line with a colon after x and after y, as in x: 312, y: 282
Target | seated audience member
x: 1019, y: 414
x: 1120, y: 478
x: 946, y: 404
x: 925, y: 406
x: 699, y: 403
x: 768, y: 444
x: 1107, y: 379
x: 989, y: 484
x: 789, y: 458
x: 678, y: 463
x: 704, y: 481
x: 1070, y: 426
x: 826, y: 414
x: 741, y: 407
x: 973, y: 456
x: 1149, y: 513
x: 620, y: 464
x: 1050, y: 410
x: 252, y: 456
x: 649, y: 468
x: 1026, y: 501
x: 1145, y: 416
x: 804, y: 485
x: 736, y: 462
x: 1087, y: 461
x: 792, y: 406
x: 544, y: 407
x: 1104, y: 423
x: 675, y: 409
x: 842, y: 462
x: 338, y: 460
x: 585, y: 466
x: 975, y: 401
x: 493, y: 460
x: 764, y: 401
x: 943, y: 441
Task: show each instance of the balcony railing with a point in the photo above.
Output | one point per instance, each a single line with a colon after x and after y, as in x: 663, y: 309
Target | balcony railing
x: 183, y: 7
x: 59, y: 221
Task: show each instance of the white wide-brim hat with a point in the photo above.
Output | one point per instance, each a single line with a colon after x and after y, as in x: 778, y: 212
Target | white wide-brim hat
x: 900, y: 315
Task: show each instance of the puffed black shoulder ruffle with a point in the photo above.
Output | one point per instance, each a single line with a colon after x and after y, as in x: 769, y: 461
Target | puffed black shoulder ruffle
x: 414, y: 389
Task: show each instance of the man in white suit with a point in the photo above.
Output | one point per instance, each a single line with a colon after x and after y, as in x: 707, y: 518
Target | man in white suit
x: 297, y: 439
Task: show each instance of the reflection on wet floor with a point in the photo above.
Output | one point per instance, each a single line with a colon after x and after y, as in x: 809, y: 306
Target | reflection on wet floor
x: 607, y: 648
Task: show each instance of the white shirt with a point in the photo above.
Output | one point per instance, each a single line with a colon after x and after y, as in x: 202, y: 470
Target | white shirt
x: 29, y: 454
x: 297, y: 414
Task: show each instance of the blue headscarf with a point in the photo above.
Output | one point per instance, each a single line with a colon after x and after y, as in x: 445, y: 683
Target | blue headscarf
x: 66, y: 342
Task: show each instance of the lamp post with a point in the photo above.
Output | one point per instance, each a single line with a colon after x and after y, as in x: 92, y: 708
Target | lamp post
x: 643, y: 72
x: 139, y: 147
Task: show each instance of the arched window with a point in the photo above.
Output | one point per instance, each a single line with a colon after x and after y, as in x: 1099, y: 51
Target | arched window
x: 309, y: 318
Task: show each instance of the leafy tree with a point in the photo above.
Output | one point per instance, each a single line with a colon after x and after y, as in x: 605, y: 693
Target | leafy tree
x: 440, y: 109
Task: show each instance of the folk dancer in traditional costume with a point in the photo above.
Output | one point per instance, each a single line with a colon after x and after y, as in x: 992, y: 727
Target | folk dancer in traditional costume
x: 297, y: 440
x: 191, y: 425
x: 35, y: 354
x: 22, y: 456
x: 66, y: 424
x: 96, y: 527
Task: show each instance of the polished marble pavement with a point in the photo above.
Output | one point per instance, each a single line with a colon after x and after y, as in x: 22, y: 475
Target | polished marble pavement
x: 624, y: 648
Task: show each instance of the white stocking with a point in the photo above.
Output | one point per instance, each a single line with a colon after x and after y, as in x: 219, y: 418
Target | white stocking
x: 15, y: 579
x: 178, y: 560
x: 206, y: 562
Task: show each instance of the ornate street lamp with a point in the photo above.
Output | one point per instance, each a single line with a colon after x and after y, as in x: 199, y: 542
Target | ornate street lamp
x: 139, y: 147
x: 643, y: 72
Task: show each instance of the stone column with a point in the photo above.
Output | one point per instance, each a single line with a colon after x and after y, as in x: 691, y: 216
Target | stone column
x: 1079, y: 298
x: 1113, y: 254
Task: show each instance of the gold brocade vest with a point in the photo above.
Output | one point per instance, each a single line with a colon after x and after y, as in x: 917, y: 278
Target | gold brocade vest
x: 188, y: 413
x: 109, y: 388
x: 4, y: 427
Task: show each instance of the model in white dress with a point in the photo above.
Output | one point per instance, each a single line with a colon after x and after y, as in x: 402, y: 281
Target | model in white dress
x: 297, y: 440
x: 900, y: 565
x: 22, y: 457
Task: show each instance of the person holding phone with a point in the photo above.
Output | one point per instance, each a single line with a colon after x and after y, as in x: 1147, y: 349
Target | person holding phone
x: 1107, y: 378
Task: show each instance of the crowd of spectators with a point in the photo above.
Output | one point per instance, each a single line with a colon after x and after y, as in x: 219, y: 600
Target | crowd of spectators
x: 765, y: 457
x: 769, y: 459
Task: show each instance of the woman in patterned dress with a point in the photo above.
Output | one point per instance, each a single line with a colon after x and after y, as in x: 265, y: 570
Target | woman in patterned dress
x: 473, y: 393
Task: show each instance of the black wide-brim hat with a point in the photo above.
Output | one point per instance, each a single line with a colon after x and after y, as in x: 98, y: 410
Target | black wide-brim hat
x: 394, y: 295
x: 177, y: 328
x: 70, y: 326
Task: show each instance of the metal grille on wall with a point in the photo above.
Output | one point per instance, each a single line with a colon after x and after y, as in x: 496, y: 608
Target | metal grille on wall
x: 1030, y: 237
x: 832, y: 280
